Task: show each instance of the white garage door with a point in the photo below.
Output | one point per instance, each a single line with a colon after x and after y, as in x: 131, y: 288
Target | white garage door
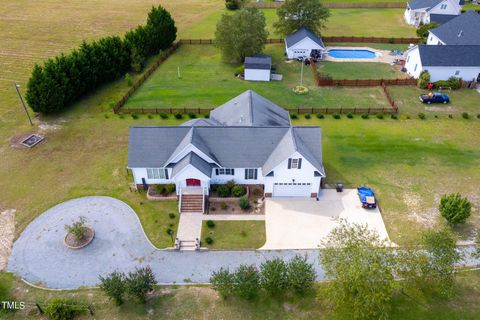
x: 291, y: 189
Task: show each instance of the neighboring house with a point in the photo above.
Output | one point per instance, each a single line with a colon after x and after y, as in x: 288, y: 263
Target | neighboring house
x: 443, y: 62
x: 462, y: 30
x: 304, y: 43
x: 265, y: 150
x: 258, y: 67
x: 420, y: 11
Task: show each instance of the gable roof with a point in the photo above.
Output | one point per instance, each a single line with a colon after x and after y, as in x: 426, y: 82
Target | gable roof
x: 233, y: 147
x: 461, y: 30
x: 301, y: 34
x: 193, y: 159
x: 258, y: 61
x: 200, y: 122
x: 449, y: 56
x: 441, y: 18
x: 250, y: 109
x: 423, y: 4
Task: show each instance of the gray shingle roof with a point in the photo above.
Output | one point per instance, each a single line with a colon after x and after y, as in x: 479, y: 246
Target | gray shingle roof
x: 441, y: 18
x: 258, y: 61
x: 196, y: 161
x: 200, y: 123
x: 453, y: 56
x: 421, y: 4
x: 250, y: 109
x: 232, y: 147
x: 462, y: 30
x: 300, y: 34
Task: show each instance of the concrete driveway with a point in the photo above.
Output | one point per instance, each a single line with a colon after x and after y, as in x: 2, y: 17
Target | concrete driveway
x: 299, y: 223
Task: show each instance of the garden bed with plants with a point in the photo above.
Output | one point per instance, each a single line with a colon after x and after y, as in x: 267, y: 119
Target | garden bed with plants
x: 161, y: 192
x: 231, y: 198
x: 78, y: 234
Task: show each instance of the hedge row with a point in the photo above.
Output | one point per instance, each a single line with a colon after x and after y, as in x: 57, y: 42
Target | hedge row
x: 64, y: 79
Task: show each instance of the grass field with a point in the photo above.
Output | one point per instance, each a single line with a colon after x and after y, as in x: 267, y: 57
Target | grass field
x: 342, y: 22
x: 200, y: 302
x: 207, y: 82
x: 234, y: 234
x: 358, y: 70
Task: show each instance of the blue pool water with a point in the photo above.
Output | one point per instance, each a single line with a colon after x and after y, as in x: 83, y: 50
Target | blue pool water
x: 351, y: 54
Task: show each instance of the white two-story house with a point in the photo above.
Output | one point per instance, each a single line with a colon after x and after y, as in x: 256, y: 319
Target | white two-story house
x: 421, y: 11
x: 249, y: 140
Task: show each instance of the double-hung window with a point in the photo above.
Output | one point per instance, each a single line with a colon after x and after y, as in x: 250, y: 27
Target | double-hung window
x: 224, y: 172
x: 157, y: 173
x: 443, y: 6
x: 250, y: 174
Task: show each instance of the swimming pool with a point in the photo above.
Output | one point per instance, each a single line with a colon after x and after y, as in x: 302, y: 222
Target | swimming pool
x: 351, y: 54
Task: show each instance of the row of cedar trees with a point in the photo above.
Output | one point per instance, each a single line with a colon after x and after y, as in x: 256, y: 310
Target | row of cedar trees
x: 65, y: 78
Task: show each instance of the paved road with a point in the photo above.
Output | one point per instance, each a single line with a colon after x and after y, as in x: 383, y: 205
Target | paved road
x: 40, y: 257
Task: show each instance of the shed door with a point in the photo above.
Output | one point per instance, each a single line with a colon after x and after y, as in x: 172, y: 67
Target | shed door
x: 291, y: 189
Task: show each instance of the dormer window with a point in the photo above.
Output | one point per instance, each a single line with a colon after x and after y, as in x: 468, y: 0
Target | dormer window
x: 295, y: 163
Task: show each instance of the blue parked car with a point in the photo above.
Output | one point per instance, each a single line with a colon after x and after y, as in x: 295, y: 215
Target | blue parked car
x: 367, y: 197
x: 434, y: 97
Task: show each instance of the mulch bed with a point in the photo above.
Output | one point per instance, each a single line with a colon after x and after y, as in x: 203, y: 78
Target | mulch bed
x: 71, y: 242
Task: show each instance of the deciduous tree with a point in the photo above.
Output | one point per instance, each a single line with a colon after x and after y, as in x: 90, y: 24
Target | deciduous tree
x: 295, y: 14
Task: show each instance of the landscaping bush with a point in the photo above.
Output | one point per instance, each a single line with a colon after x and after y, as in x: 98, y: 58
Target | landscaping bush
x: 129, y: 79
x: 239, y: 70
x: 380, y: 116
x: 247, y: 282
x: 170, y: 188
x: 273, y: 276
x: 210, y: 224
x: 452, y: 82
x: 450, y: 116
x: 365, y: 116
x: 178, y: 116
x: 244, y: 203
x: 336, y: 116
x: 209, y: 240
x: 293, y: 116
x: 234, y: 4
x: 192, y: 115
x: 257, y: 192
x: 159, y: 188
x: 135, y: 116
x: 223, y: 191
x: 350, y: 115
x: 150, y: 116
x: 230, y: 184
x: 139, y: 283
x: 114, y: 286
x: 163, y: 115
x: 300, y: 274
x: 422, y: 116
x: 423, y: 30
x: 62, y: 309
x: 223, y: 282
x: 169, y: 231
x: 307, y: 116
x: 465, y: 115
x: 238, y: 191
x: 423, y: 79
x: 320, y: 116
x: 394, y: 116
x: 454, y: 208
x: 77, y: 228
x: 172, y: 215
x: 224, y: 206
x: 206, y: 116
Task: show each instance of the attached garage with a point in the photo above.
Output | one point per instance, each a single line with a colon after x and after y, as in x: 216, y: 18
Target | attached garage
x: 291, y: 189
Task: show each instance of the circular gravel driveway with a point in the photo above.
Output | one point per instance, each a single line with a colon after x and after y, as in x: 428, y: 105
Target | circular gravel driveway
x: 40, y: 257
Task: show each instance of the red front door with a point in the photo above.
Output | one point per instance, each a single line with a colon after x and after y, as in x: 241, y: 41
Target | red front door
x: 193, y: 183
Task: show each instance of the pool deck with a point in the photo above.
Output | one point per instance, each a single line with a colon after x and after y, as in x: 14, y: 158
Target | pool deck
x: 382, y: 55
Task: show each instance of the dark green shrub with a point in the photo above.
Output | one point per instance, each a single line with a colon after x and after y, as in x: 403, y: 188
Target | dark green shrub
x: 192, y: 115
x: 320, y: 116
x: 234, y: 4
x: 178, y: 116
x: 224, y: 206
x: 301, y: 274
x: 423, y: 79
x: 273, y: 276
x: 257, y: 192
x: 336, y: 116
x: 239, y: 70
x: 164, y: 115
x: 247, y: 282
x: 450, y: 116
x: 170, y: 188
x: 129, y: 79
x: 114, y: 286
x: 169, y: 231
x: 135, y: 116
x: 380, y: 116
x: 210, y: 224
x: 121, y: 116
x: 350, y: 115
x: 139, y: 283
x: 150, y: 116
x: 223, y: 191
x: 209, y: 240
x: 160, y: 189
x: 238, y: 191
x: 206, y: 116
x: 172, y: 215
x: 62, y: 309
x: 465, y: 115
x: 293, y: 116
x: 230, y: 184
x: 365, y: 116
x: 422, y: 116
x: 407, y: 117
x: 455, y: 208
x: 244, y: 203
x: 394, y: 116
x: 478, y: 115
x: 307, y: 116
x: 223, y: 282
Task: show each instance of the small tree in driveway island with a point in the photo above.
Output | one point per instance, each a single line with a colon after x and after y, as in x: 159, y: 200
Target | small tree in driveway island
x: 455, y: 208
x: 241, y: 34
x: 77, y: 228
x: 294, y: 14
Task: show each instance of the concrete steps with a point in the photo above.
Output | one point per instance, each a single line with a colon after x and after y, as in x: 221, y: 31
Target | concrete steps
x: 192, y: 203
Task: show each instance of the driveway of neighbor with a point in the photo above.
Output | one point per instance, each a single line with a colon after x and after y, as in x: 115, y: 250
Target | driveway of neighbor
x: 294, y: 223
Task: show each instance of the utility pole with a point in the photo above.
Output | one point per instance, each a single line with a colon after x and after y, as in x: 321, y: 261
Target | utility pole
x: 17, y: 86
x: 301, y: 75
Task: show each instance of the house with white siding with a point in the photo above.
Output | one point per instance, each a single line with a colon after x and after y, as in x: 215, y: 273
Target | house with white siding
x: 303, y: 43
x: 444, y: 61
x: 462, y: 30
x: 248, y: 140
x: 422, y: 11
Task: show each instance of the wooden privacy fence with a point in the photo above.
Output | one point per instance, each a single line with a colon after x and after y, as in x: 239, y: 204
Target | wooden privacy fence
x: 325, y: 39
x: 334, y: 5
x: 365, y: 82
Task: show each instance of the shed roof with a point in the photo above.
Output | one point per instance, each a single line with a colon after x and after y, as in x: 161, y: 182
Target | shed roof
x: 259, y: 61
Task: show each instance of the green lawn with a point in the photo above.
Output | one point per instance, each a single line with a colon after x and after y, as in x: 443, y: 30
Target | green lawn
x: 463, y: 100
x: 234, y: 234
x: 358, y: 70
x: 342, y: 22
x: 206, y: 82
x: 201, y: 302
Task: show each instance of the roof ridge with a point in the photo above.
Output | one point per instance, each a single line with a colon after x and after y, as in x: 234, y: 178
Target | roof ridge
x: 250, y: 96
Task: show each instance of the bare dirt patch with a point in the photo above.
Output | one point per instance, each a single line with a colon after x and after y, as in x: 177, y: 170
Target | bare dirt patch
x: 7, y: 233
x: 425, y: 217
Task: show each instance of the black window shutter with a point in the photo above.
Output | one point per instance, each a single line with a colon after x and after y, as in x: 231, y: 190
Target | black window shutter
x: 246, y: 174
x: 300, y: 163
x: 233, y: 172
x: 216, y: 172
x: 166, y: 174
x: 289, y: 163
x: 256, y: 174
